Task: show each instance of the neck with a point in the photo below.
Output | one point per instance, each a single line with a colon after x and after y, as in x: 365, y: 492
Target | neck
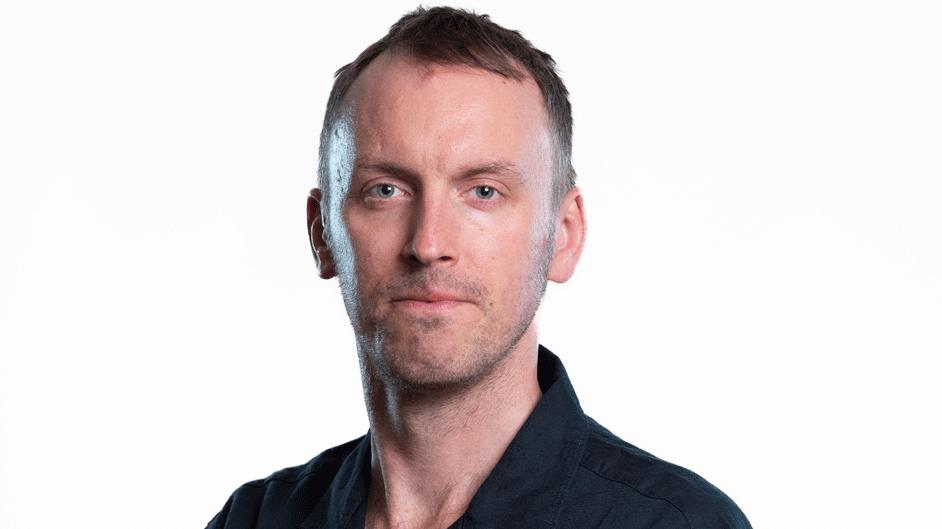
x: 432, y: 451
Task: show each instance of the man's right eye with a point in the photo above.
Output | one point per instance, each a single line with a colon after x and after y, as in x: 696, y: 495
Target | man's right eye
x: 384, y: 191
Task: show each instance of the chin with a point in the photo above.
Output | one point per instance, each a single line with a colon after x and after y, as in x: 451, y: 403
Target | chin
x: 433, y: 364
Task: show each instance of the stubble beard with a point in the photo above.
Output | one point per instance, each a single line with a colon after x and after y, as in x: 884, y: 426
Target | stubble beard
x: 413, y: 360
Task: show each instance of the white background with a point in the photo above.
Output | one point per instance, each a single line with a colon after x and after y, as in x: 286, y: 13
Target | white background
x: 760, y: 298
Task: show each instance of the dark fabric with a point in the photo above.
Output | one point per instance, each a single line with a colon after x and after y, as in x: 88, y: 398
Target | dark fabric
x: 562, y: 470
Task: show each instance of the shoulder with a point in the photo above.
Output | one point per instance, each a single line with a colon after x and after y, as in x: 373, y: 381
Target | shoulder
x: 285, y: 494
x: 644, y: 488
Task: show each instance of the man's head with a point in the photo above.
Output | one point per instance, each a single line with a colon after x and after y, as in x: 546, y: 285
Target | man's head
x: 448, y: 36
x: 443, y: 208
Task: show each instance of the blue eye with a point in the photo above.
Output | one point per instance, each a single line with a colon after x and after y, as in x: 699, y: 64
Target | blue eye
x: 484, y: 192
x: 384, y: 190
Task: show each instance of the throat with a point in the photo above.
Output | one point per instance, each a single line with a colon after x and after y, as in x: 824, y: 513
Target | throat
x: 431, y: 453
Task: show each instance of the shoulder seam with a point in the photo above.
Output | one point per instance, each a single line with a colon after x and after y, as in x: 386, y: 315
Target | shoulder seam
x: 669, y: 502
x: 294, y: 479
x: 316, y: 464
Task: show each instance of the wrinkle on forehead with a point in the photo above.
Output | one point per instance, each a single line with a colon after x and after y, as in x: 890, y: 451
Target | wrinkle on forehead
x: 450, y: 114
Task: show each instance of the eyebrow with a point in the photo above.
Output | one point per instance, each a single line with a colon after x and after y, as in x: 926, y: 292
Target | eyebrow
x: 384, y: 167
x: 504, y: 169
x: 498, y: 168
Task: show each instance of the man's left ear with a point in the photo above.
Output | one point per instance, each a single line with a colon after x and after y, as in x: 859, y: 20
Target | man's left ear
x: 570, y: 237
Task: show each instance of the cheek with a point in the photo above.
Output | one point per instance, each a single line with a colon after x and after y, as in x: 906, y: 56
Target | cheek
x: 375, y: 248
x: 503, y: 257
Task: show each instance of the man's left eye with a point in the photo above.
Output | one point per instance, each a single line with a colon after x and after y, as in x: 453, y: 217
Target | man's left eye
x: 485, y: 192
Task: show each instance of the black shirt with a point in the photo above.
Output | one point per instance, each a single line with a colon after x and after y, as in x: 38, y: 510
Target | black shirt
x: 562, y: 470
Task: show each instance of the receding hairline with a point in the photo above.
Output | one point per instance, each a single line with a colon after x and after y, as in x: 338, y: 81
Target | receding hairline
x: 347, y: 104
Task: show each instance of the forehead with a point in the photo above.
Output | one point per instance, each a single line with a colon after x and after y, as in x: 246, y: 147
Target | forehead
x: 437, y: 115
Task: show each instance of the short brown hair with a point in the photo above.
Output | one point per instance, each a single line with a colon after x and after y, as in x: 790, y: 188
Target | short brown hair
x: 446, y: 35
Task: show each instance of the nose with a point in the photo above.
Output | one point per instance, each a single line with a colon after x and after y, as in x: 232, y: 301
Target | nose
x: 433, y: 233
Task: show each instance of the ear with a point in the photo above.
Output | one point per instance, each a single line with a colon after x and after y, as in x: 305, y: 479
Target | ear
x: 315, y: 224
x: 570, y: 237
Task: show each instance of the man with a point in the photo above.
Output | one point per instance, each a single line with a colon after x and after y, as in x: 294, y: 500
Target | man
x: 446, y: 202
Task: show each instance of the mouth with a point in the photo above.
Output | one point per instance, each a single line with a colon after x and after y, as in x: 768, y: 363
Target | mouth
x: 429, y: 302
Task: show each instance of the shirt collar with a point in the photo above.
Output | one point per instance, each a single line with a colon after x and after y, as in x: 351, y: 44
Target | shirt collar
x: 344, y: 501
x: 528, y: 481
x: 530, y: 478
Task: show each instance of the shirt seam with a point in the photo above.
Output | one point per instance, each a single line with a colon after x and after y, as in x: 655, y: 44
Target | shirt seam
x: 632, y: 487
x: 262, y: 483
x: 319, y: 468
x: 294, y: 480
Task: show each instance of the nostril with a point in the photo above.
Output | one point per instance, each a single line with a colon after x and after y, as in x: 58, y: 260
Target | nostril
x: 415, y: 260
x: 436, y: 257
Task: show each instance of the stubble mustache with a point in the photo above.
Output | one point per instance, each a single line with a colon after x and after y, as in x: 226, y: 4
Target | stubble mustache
x: 437, y: 281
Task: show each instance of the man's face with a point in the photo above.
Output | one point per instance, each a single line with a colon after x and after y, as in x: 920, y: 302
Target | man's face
x: 444, y: 231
